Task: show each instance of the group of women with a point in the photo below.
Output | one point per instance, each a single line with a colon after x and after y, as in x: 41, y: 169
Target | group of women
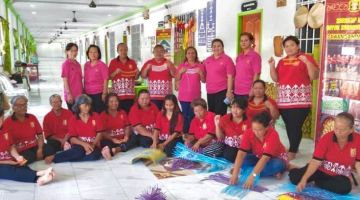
x: 101, y: 124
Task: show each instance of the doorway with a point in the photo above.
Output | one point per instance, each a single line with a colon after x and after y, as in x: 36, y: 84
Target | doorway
x: 250, y: 21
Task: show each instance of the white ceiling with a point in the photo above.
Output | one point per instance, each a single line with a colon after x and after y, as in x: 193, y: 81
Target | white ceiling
x: 51, y: 14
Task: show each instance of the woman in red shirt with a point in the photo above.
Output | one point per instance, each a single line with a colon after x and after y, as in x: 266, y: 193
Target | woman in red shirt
x: 159, y: 71
x: 260, y: 102
x: 268, y: 155
x: 26, y: 132
x: 336, y: 154
x: 12, y: 163
x: 230, y: 127
x: 294, y: 74
x: 123, y: 72
x: 168, y: 126
x: 116, y: 125
x: 85, y: 129
x: 201, y: 137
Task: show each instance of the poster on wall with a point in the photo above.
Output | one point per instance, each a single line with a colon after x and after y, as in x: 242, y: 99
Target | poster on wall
x: 340, y: 69
x: 163, y: 37
x: 210, y: 23
x: 202, y: 27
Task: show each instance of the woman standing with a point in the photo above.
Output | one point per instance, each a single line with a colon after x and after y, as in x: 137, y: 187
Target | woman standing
x: 159, y: 71
x: 168, y: 126
x: 248, y: 66
x: 71, y: 74
x: 260, y: 102
x: 230, y: 128
x: 294, y: 74
x: 116, y: 126
x: 123, y: 72
x: 220, y: 72
x: 95, y: 78
x: 188, y: 77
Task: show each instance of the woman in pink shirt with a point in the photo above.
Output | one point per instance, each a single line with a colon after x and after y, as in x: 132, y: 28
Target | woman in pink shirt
x: 220, y: 72
x: 188, y: 77
x: 95, y: 78
x: 71, y: 74
x: 248, y: 66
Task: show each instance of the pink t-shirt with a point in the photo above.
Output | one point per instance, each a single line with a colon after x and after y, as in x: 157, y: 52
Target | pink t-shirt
x: 94, y: 77
x: 247, y: 65
x: 72, y: 71
x: 217, y: 71
x: 190, y: 87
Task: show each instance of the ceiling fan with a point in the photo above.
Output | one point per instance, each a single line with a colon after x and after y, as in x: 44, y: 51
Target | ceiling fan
x: 74, y: 17
x: 92, y: 3
x: 65, y: 27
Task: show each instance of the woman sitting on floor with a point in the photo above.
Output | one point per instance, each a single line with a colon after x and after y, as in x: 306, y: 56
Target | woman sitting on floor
x: 12, y: 164
x: 230, y: 127
x: 201, y: 137
x: 268, y: 154
x: 116, y: 125
x: 168, y: 126
x: 85, y: 129
x: 335, y: 155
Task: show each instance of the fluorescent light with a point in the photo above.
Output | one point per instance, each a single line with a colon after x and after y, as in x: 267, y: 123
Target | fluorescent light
x: 33, y: 12
x: 32, y: 6
x: 109, y: 15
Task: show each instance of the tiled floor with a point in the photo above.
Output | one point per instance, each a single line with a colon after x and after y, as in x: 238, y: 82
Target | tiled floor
x: 116, y: 179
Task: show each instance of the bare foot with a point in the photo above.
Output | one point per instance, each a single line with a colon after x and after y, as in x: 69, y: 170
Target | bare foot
x: 42, y: 180
x: 67, y: 146
x: 106, y: 153
x: 49, y: 159
x: 44, y: 172
x: 291, y: 155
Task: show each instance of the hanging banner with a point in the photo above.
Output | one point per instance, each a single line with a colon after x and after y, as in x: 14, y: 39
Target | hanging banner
x: 202, y: 27
x: 210, y: 23
x: 163, y: 37
x: 340, y: 69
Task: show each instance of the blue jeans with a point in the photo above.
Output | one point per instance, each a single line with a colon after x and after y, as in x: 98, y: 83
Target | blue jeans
x: 188, y: 114
x: 17, y: 173
x: 272, y: 167
x: 76, y: 154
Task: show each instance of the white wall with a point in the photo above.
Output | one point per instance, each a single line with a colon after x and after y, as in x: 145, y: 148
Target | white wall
x: 2, y: 9
x: 53, y: 50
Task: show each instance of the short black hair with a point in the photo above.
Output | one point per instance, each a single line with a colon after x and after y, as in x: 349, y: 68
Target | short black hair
x: 348, y: 117
x: 144, y: 92
x: 97, y: 48
x: 1, y: 112
x: 71, y: 45
x: 217, y: 40
x: 262, y: 118
x: 199, y: 102
x: 291, y: 38
x: 107, y: 100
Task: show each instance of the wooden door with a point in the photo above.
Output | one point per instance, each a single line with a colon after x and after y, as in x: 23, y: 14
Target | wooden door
x: 252, y: 23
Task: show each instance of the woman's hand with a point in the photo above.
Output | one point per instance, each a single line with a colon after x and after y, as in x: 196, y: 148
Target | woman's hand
x: 267, y: 104
x: 217, y: 120
x: 230, y: 95
x: 88, y: 148
x: 196, y: 147
x: 301, y: 185
x: 70, y: 98
x: 233, y: 179
x: 271, y: 62
x: 249, y: 182
x: 303, y: 59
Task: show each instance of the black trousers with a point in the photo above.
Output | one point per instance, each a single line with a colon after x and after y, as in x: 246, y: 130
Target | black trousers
x: 169, y: 148
x: 136, y: 140
x: 126, y: 104
x: 97, y: 103
x: 230, y: 153
x: 337, y: 184
x: 30, y: 154
x: 70, y: 105
x: 238, y: 97
x: 216, y: 102
x: 17, y: 173
x: 294, y: 119
x: 54, y: 144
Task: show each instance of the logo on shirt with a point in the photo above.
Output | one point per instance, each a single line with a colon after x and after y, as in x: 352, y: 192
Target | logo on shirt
x: 93, y: 122
x: 244, y: 127
x: 64, y: 122
x: 265, y: 144
x: 130, y: 66
x: 6, y: 136
x: 32, y: 124
x: 353, y: 152
x: 204, y: 126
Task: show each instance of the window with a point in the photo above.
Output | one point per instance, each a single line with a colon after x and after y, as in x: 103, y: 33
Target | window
x: 112, y: 44
x: 308, y: 36
x: 135, y: 42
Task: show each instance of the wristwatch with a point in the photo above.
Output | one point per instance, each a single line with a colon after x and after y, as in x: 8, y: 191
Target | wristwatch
x: 254, y: 174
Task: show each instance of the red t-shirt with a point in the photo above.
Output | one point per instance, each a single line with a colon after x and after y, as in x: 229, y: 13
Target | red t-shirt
x: 233, y: 131
x: 123, y: 83
x: 271, y: 146
x: 57, y: 125
x: 201, y: 127
x: 115, y: 125
x: 254, y: 109
x: 23, y: 133
x: 5, y: 144
x: 145, y: 117
x: 159, y: 78
x: 163, y: 125
x: 86, y: 132
x: 294, y: 88
x: 337, y: 161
